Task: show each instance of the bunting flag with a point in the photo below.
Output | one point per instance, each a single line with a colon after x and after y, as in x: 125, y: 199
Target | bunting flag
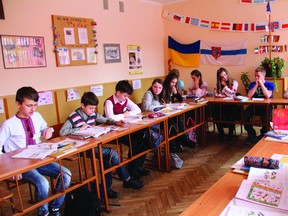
x: 265, y: 49
x: 266, y: 38
x: 187, y: 55
x: 260, y: 27
x: 255, y: 1
x: 215, y: 25
x: 284, y: 24
x: 194, y: 22
x: 223, y: 53
x: 229, y: 26
x: 225, y: 26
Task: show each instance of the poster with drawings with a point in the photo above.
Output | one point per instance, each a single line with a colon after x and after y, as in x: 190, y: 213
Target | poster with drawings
x: 45, y: 98
x: 73, y: 94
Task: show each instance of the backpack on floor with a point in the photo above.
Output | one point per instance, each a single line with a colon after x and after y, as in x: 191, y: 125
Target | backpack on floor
x: 82, y: 202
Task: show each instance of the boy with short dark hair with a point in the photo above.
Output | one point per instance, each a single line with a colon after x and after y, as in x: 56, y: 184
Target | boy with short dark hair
x: 26, y: 128
x: 119, y: 106
x: 84, y: 117
x: 261, y: 88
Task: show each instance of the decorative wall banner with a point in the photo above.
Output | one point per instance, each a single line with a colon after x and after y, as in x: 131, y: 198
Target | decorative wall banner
x: 187, y: 55
x: 208, y: 52
x: 226, y: 26
x: 223, y: 52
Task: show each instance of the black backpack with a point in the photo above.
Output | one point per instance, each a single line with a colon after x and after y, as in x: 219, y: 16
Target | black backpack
x: 82, y: 202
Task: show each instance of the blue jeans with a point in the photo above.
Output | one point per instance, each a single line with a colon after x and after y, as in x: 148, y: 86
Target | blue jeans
x: 110, y: 158
x: 37, y: 178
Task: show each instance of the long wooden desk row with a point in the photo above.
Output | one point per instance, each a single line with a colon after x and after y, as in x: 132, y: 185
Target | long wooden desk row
x: 10, y: 167
x: 216, y: 198
x: 266, y: 103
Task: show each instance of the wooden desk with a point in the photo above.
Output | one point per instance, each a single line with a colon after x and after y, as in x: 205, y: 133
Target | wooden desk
x: 216, y: 198
x: 221, y: 102
x: 114, y: 137
x: 199, y: 118
x: 10, y: 167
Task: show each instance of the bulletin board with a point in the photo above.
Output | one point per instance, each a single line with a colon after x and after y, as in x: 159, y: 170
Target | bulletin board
x: 75, y: 41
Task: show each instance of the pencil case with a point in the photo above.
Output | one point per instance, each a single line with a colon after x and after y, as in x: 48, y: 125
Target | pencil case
x: 261, y: 162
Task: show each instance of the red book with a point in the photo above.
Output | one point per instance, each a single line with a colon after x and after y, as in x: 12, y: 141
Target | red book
x: 280, y: 119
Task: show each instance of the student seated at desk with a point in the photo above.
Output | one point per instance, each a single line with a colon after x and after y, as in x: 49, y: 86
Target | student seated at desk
x: 226, y: 86
x: 84, y: 117
x: 23, y: 129
x: 198, y: 87
x: 119, y: 106
x: 260, y: 88
x: 171, y: 95
x: 152, y: 98
x: 180, y: 83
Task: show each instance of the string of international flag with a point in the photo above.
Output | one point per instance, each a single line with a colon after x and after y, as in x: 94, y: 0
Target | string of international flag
x: 226, y: 26
x: 255, y: 1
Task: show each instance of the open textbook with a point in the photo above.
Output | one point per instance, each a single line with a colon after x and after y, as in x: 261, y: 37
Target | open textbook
x: 265, y: 192
x: 55, y: 149
x: 95, y: 131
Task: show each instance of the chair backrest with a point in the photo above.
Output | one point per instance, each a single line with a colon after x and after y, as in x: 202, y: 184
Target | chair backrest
x: 56, y: 128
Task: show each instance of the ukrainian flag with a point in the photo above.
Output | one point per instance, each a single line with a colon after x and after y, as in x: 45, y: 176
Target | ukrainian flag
x: 187, y: 55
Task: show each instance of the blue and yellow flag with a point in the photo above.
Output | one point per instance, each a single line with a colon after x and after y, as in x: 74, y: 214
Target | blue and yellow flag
x: 187, y: 55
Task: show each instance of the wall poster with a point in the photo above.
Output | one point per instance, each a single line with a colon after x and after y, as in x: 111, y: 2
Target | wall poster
x: 23, y: 51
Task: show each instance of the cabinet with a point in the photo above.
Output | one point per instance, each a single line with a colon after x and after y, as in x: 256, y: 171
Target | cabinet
x: 282, y: 84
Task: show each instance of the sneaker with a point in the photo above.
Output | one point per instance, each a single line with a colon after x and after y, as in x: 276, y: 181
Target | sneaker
x: 112, y: 194
x: 55, y: 212
x: 133, y: 183
x: 45, y: 214
x: 142, y: 171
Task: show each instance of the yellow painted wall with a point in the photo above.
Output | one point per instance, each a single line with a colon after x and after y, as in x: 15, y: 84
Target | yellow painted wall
x: 61, y: 108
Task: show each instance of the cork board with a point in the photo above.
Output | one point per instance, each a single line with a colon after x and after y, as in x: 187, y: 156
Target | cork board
x: 75, y: 41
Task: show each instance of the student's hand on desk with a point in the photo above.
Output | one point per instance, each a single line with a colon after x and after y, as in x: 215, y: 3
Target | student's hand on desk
x: 120, y: 123
x: 126, y: 113
x: 85, y: 126
x: 47, y: 134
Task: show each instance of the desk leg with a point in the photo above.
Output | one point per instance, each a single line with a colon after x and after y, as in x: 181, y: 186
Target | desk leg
x: 94, y: 170
x: 167, y: 148
x: 102, y: 170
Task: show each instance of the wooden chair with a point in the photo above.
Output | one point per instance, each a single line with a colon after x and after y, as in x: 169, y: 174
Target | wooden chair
x: 6, y: 196
x: 11, y: 184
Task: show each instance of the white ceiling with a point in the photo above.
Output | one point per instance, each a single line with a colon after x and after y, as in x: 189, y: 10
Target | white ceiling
x: 162, y: 2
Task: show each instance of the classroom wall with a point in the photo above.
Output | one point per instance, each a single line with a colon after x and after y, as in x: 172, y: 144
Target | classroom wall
x: 140, y: 24
x: 229, y: 11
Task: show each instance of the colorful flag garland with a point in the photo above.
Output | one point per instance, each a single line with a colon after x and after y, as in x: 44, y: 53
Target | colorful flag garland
x: 227, y: 26
x: 255, y: 1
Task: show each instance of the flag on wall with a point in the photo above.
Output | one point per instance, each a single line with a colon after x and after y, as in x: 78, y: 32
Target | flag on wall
x: 223, y: 53
x: 187, y: 55
x: 284, y: 24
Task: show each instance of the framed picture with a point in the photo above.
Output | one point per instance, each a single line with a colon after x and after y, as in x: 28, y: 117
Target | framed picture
x: 112, y: 53
x: 23, y: 51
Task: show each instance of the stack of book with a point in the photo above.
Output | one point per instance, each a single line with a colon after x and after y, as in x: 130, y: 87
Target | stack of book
x: 277, y: 134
